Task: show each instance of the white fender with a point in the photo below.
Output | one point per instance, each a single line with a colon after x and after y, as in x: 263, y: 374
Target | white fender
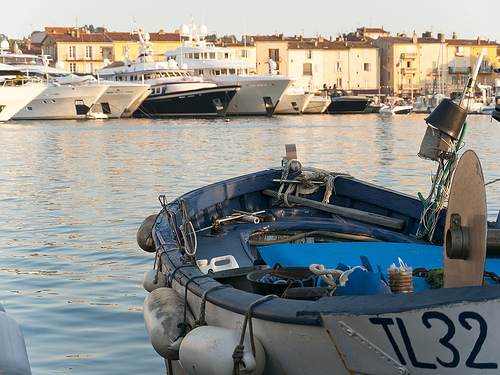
x: 13, y: 355
x: 150, y: 282
x: 208, y: 350
x: 163, y: 309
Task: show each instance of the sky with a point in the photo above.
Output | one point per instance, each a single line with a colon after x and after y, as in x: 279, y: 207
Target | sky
x: 309, y: 18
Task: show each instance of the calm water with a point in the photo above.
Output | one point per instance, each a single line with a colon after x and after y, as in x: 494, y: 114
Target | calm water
x: 73, y: 193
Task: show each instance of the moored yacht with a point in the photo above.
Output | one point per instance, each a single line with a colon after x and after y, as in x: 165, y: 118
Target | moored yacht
x: 14, y: 94
x: 258, y: 95
x: 293, y: 101
x: 174, y: 91
x: 66, y: 99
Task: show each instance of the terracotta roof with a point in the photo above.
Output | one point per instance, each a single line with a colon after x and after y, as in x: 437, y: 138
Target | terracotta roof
x: 153, y: 37
x: 58, y: 30
x: 370, y: 30
x: 471, y: 42
x: 267, y: 38
x: 83, y: 38
x: 320, y: 45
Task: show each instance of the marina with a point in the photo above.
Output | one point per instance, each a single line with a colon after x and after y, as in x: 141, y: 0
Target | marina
x: 74, y: 194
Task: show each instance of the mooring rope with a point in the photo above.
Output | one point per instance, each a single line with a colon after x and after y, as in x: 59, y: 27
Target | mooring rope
x: 238, y: 351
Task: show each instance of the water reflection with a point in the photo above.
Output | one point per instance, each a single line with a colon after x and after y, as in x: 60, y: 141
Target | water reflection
x: 73, y: 193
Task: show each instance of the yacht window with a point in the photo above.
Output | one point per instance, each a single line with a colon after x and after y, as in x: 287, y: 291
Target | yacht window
x: 197, y: 55
x: 224, y: 72
x: 226, y: 55
x: 186, y: 55
x: 232, y: 71
x: 212, y: 55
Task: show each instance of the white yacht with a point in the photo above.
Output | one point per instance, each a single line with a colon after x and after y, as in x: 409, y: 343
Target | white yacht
x: 258, y: 95
x: 14, y: 93
x: 174, y: 91
x: 68, y: 96
x: 318, y: 103
x: 293, y: 101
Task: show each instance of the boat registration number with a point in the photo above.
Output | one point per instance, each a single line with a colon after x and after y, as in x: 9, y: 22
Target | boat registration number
x: 450, y: 355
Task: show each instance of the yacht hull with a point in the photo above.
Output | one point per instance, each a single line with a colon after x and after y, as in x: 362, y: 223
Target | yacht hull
x: 62, y: 102
x: 294, y: 104
x: 121, y: 100
x: 203, y: 102
x: 251, y: 98
x: 14, y: 98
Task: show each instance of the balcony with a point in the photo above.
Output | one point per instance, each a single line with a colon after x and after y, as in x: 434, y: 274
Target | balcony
x: 409, y: 86
x: 409, y: 55
x: 459, y: 70
x: 408, y: 70
x: 486, y: 69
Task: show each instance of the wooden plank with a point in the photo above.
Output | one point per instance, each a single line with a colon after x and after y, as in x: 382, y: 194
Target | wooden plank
x: 349, y: 213
x: 467, y: 199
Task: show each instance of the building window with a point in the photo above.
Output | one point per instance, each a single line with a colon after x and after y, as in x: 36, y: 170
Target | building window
x: 308, y: 54
x: 274, y: 54
x: 88, y: 52
x: 339, y: 83
x: 307, y: 69
x: 72, y: 67
x: 338, y: 67
x: 367, y: 83
x: 339, y: 55
x: 367, y: 67
x: 243, y: 53
x: 72, y: 52
x: 366, y: 53
x: 485, y: 67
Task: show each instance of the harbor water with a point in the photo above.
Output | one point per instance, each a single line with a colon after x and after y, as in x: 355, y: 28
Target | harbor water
x: 73, y: 193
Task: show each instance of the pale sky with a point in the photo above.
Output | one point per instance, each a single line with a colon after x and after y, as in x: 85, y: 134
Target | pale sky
x: 238, y: 17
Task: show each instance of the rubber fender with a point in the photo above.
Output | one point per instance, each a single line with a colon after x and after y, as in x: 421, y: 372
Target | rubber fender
x: 208, y: 350
x: 163, y: 310
x: 144, y: 237
x: 150, y: 282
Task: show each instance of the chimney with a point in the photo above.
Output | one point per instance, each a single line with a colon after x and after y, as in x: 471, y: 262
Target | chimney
x: 161, y: 32
x: 282, y: 36
x: 315, y: 43
x: 331, y: 38
x: 478, y: 41
x: 454, y: 35
x: 414, y: 39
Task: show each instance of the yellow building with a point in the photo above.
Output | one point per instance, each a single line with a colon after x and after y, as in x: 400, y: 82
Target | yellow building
x: 462, y: 56
x: 79, y: 51
x: 161, y: 42
x: 76, y: 50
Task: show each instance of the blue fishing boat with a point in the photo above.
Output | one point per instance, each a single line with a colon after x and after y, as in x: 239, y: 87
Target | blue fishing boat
x: 297, y: 270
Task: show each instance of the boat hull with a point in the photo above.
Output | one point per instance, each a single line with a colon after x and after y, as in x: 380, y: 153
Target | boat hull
x: 348, y: 105
x: 251, y: 98
x: 317, y: 105
x: 62, y: 102
x: 121, y: 100
x: 203, y: 102
x: 447, y: 331
x: 14, y: 98
x: 293, y: 104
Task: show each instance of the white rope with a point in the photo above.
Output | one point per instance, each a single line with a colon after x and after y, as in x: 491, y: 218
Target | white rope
x: 329, y: 276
